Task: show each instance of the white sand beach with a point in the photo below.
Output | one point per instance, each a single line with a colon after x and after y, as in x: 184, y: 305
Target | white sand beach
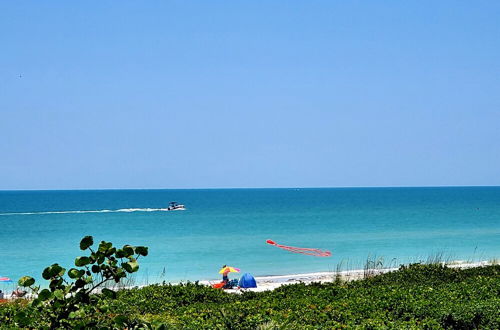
x: 272, y: 282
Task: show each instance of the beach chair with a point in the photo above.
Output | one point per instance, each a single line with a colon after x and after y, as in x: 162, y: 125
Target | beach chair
x: 18, y: 293
x: 231, y: 284
x: 218, y: 285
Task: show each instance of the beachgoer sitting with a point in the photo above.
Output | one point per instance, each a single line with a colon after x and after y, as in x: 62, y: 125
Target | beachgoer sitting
x: 226, y: 283
x: 19, y: 293
x: 225, y: 277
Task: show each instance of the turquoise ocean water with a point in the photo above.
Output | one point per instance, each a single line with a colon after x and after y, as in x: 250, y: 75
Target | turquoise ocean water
x: 230, y: 226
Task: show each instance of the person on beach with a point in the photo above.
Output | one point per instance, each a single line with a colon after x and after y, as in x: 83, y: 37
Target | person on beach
x: 18, y: 293
x: 1, y: 294
x: 225, y: 277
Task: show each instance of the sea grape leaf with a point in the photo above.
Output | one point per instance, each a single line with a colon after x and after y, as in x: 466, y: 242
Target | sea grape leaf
x: 46, y: 273
x: 86, y: 242
x: 44, y: 295
x: 26, y: 281
x: 110, y: 251
x: 59, y: 294
x: 56, y: 270
x: 109, y: 293
x: 141, y: 250
x: 131, y: 266
x: 134, y: 264
x: 104, y: 246
x: 120, y: 253
x: 82, y: 261
x: 128, y: 250
x: 75, y: 273
x: 79, y: 283
x: 55, y: 283
x: 100, y: 259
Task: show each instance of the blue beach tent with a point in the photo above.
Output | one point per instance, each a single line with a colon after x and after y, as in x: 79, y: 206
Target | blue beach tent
x: 247, y: 281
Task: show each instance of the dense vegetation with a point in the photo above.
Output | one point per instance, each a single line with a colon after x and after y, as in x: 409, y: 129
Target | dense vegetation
x: 70, y: 300
x: 417, y: 296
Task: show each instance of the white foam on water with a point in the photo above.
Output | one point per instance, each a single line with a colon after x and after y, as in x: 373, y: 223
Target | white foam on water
x: 88, y: 211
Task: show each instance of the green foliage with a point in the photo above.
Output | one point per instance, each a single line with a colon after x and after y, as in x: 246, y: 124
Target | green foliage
x: 26, y: 281
x: 72, y: 303
x: 86, y: 242
x: 416, y: 296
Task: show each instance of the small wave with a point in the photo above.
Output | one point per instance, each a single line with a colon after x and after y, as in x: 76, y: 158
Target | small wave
x: 88, y: 211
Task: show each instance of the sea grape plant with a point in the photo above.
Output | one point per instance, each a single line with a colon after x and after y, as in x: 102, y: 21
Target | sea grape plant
x: 70, y: 300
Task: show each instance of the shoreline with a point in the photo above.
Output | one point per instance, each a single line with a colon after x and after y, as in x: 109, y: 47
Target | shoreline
x: 271, y: 282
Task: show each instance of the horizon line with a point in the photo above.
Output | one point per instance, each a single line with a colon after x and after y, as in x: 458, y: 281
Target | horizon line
x: 256, y: 188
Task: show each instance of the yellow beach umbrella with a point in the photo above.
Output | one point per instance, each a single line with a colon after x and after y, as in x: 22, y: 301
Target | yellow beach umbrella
x: 229, y: 269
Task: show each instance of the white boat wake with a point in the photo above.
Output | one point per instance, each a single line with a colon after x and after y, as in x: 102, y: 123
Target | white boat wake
x: 89, y: 211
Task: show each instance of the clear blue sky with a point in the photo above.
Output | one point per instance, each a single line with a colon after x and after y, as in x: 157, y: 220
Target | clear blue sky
x: 186, y: 94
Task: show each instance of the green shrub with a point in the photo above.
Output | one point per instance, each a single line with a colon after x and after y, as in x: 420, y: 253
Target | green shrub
x: 416, y: 296
x: 69, y: 301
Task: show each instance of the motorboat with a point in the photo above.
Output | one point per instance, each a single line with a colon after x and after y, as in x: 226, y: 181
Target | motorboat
x: 174, y: 206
